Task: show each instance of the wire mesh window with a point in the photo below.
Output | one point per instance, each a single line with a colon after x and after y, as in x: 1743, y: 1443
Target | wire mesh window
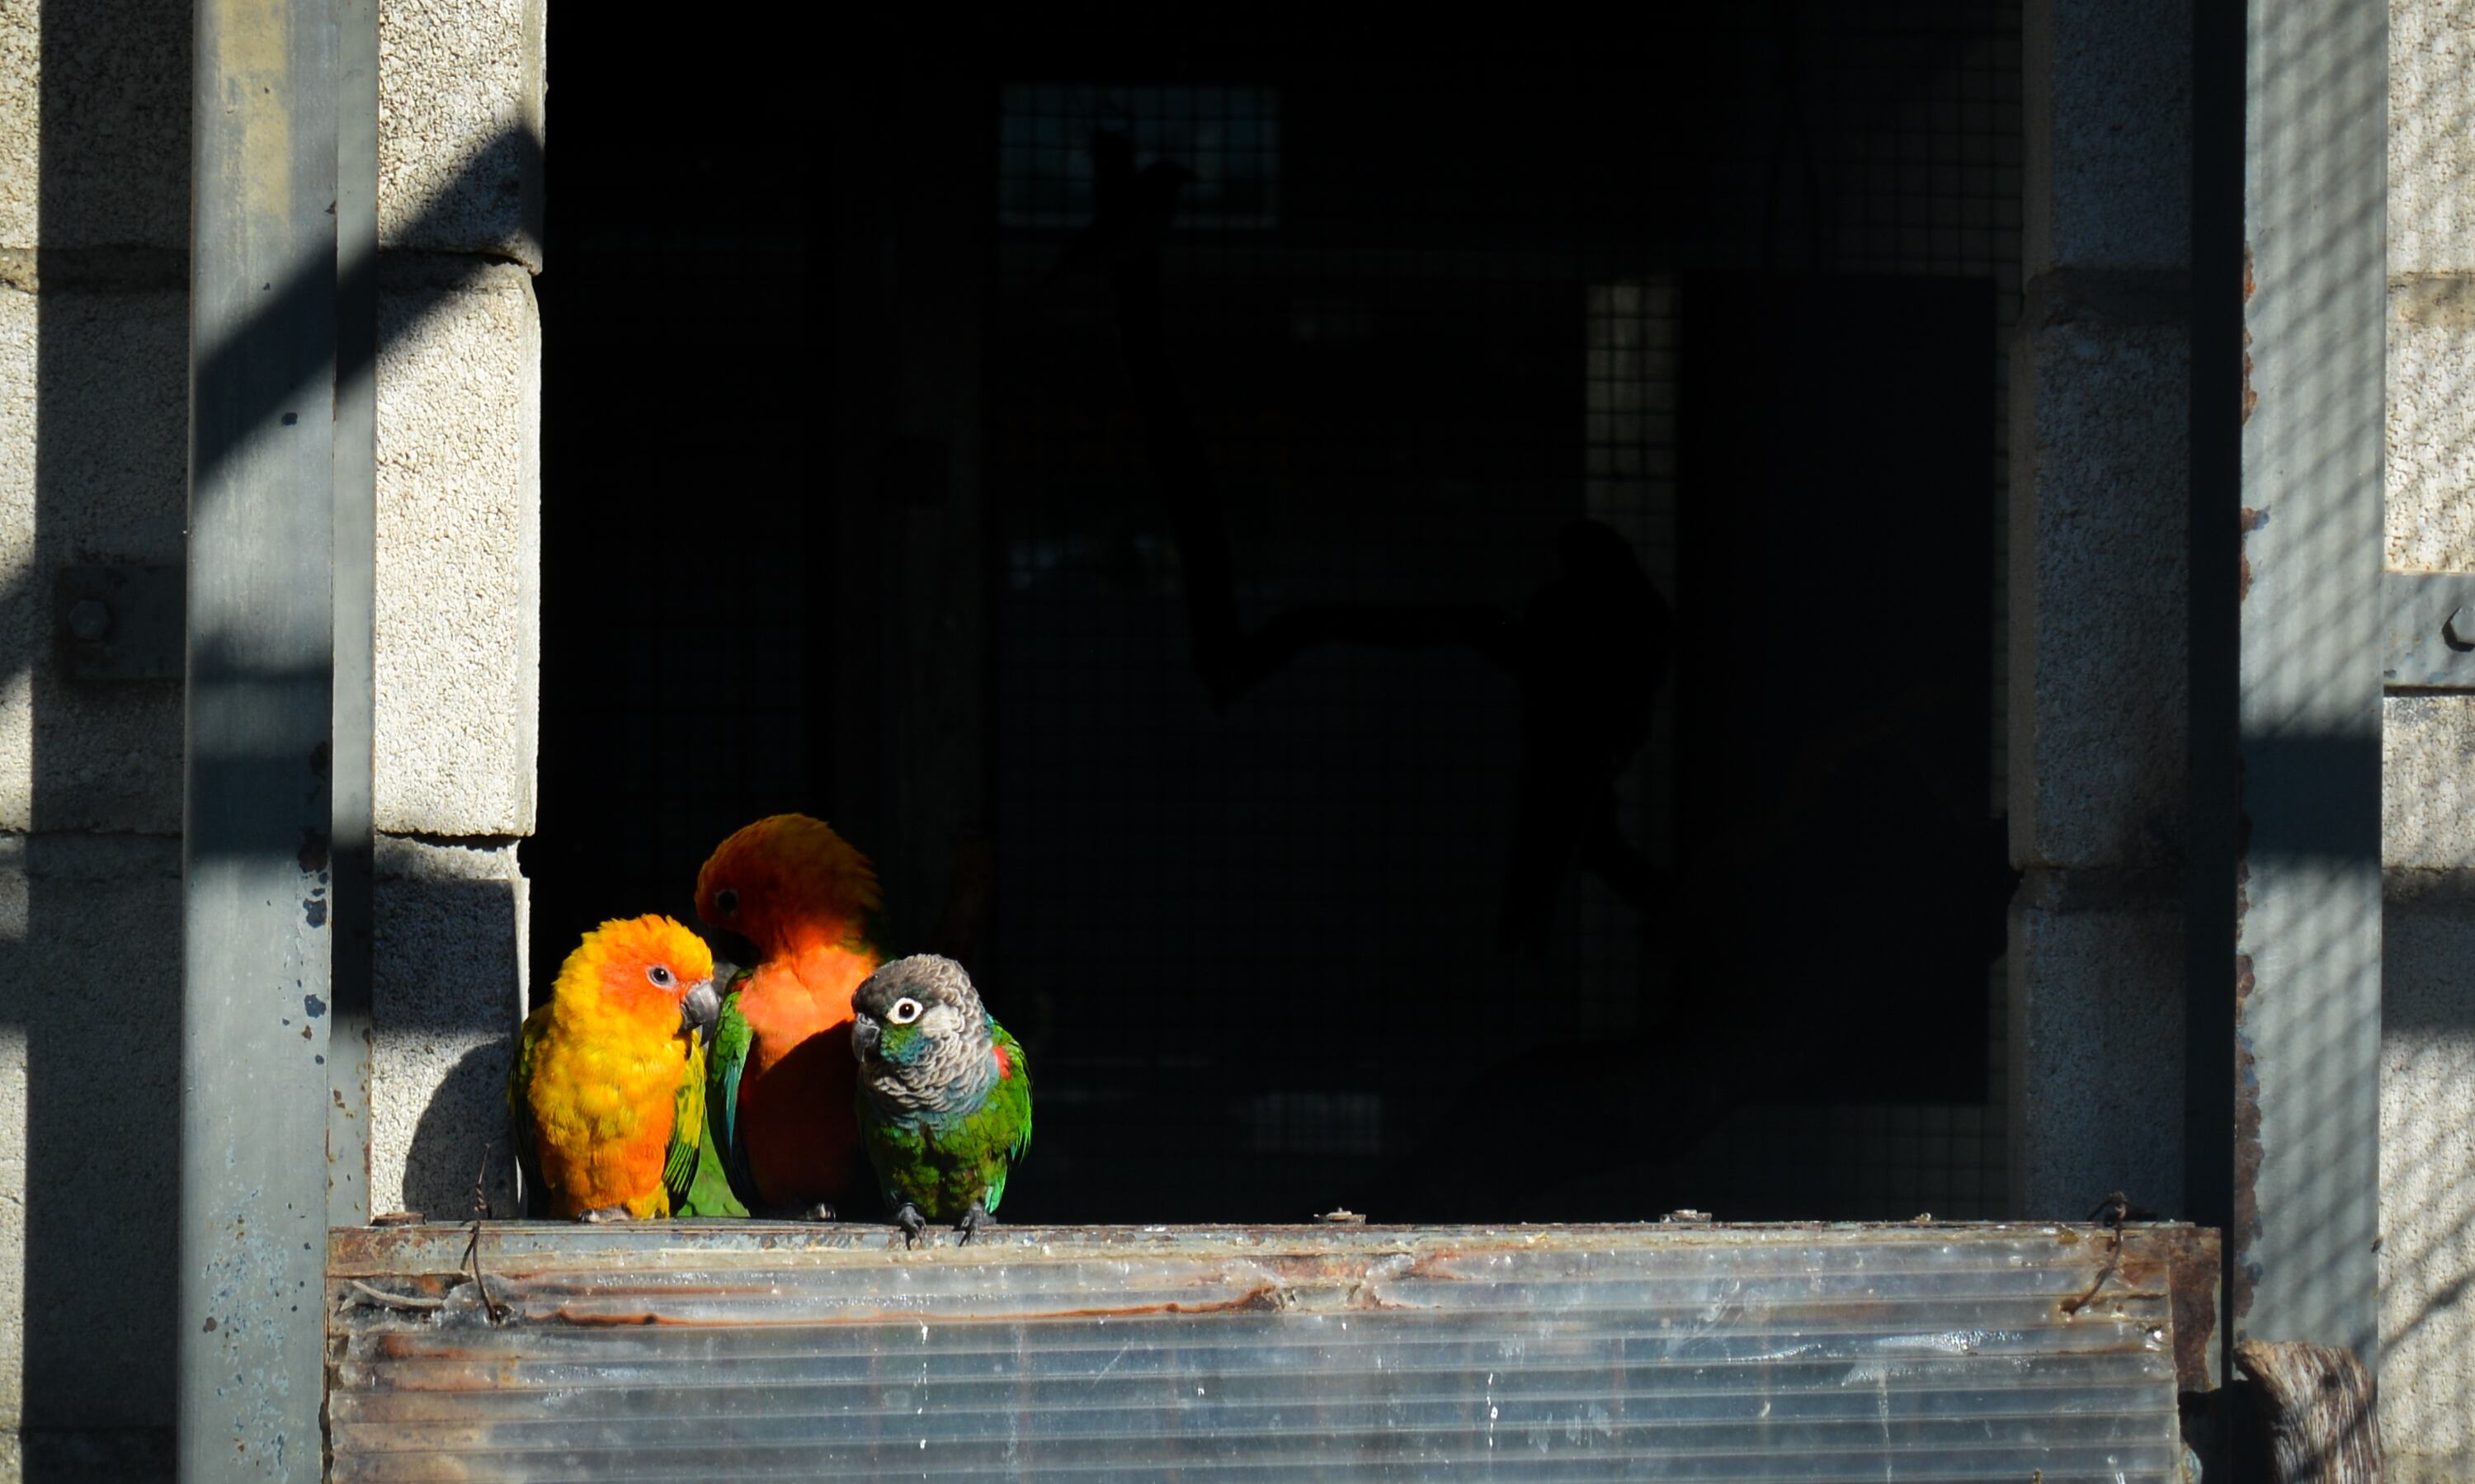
x: 1490, y: 582
x: 1229, y: 139
x: 1279, y: 929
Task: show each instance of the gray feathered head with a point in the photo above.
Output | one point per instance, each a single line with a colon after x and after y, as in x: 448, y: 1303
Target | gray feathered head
x: 920, y: 1032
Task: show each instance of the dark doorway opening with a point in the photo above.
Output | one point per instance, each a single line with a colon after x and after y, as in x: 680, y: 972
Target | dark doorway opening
x: 1442, y: 659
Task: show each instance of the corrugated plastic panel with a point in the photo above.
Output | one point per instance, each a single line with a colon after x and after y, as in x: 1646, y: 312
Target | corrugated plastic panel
x: 760, y: 1351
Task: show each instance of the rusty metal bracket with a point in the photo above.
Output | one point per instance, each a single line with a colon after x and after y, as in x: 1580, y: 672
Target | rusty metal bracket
x: 119, y: 622
x: 2428, y: 631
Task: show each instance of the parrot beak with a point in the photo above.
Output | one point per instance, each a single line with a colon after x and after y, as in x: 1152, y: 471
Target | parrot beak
x: 864, y: 1037
x: 700, y: 1010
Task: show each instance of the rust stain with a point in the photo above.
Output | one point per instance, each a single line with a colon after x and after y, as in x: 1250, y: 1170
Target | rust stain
x: 2193, y: 1257
x: 2142, y: 1269
x: 2247, y: 1159
x: 500, y: 1377
x: 2251, y: 520
x: 1437, y: 1267
x: 2248, y: 1146
x: 2250, y: 398
x: 1265, y: 1298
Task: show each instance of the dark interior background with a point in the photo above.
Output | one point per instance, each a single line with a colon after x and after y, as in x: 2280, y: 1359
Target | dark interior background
x: 1507, y: 871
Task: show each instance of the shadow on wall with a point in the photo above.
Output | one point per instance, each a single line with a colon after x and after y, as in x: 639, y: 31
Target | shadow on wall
x: 93, y: 947
x: 457, y: 1163
x: 2427, y: 1153
x: 437, y: 937
x: 98, y: 963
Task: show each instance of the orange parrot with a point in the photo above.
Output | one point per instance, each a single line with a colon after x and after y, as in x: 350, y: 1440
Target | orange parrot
x: 608, y: 1088
x: 784, y: 1083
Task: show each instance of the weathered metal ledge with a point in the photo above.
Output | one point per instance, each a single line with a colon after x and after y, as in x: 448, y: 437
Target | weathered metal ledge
x: 741, y: 1350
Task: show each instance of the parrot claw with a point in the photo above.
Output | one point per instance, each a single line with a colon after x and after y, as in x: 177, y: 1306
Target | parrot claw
x: 601, y: 1213
x: 972, y: 1220
x: 912, y: 1223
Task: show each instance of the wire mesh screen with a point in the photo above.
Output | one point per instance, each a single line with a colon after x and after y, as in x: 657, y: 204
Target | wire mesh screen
x: 1229, y: 139
x: 676, y: 635
x: 1376, y: 589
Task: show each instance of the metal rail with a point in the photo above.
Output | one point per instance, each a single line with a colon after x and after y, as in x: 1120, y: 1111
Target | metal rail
x: 2307, y: 891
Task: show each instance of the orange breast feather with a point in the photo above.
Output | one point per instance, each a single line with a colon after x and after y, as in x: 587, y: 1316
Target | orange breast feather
x: 604, y: 1095
x: 796, y: 1099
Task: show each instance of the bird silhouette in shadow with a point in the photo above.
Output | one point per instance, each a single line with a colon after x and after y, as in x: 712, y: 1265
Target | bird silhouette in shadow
x: 1131, y: 209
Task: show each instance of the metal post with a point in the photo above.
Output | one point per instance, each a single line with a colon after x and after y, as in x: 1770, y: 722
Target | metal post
x: 351, y: 1034
x: 2307, y: 993
x: 2215, y: 655
x: 254, y: 853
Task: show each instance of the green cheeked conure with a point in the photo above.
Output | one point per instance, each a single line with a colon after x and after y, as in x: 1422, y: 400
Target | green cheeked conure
x: 944, y: 1094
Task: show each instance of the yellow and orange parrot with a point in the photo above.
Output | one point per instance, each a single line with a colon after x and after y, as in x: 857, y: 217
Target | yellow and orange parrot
x: 784, y: 1086
x: 609, y: 1089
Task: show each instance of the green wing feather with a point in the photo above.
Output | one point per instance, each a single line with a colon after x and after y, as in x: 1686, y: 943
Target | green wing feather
x: 1009, y: 1113
x: 942, y: 1165
x: 687, y: 1126
x: 725, y: 1063
x: 700, y: 1184
x: 520, y: 1107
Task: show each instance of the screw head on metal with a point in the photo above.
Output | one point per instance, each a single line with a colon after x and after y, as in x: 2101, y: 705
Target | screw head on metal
x: 90, y: 620
x: 2459, y: 629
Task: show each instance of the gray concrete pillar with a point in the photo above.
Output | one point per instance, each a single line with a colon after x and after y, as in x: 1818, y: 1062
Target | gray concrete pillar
x: 2099, y: 473
x: 458, y: 654
x: 2428, y: 766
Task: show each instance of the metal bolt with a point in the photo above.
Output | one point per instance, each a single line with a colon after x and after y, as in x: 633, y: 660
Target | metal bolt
x: 90, y: 620
x: 2460, y: 630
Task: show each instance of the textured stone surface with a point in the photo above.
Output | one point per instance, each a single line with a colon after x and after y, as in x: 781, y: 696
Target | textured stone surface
x: 89, y: 934
x: 2428, y: 1166
x: 450, y: 972
x: 2431, y: 418
x: 2409, y: 1466
x: 22, y: 612
x: 93, y: 468
x: 459, y: 556
x: 2107, y: 86
x: 460, y: 126
x: 2096, y: 1050
x: 2432, y: 136
x: 2097, y: 590
x: 94, y: 123
x: 94, y: 155
x: 2428, y: 781
x: 2428, y: 772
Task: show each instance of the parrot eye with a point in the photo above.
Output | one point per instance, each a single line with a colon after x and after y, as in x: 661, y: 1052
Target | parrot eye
x: 660, y: 976
x: 726, y: 901
x: 904, y: 1011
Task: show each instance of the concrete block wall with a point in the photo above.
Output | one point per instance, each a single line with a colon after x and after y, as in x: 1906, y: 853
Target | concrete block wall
x: 2101, y: 466
x: 458, y: 662
x: 2428, y: 767
x: 94, y: 207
